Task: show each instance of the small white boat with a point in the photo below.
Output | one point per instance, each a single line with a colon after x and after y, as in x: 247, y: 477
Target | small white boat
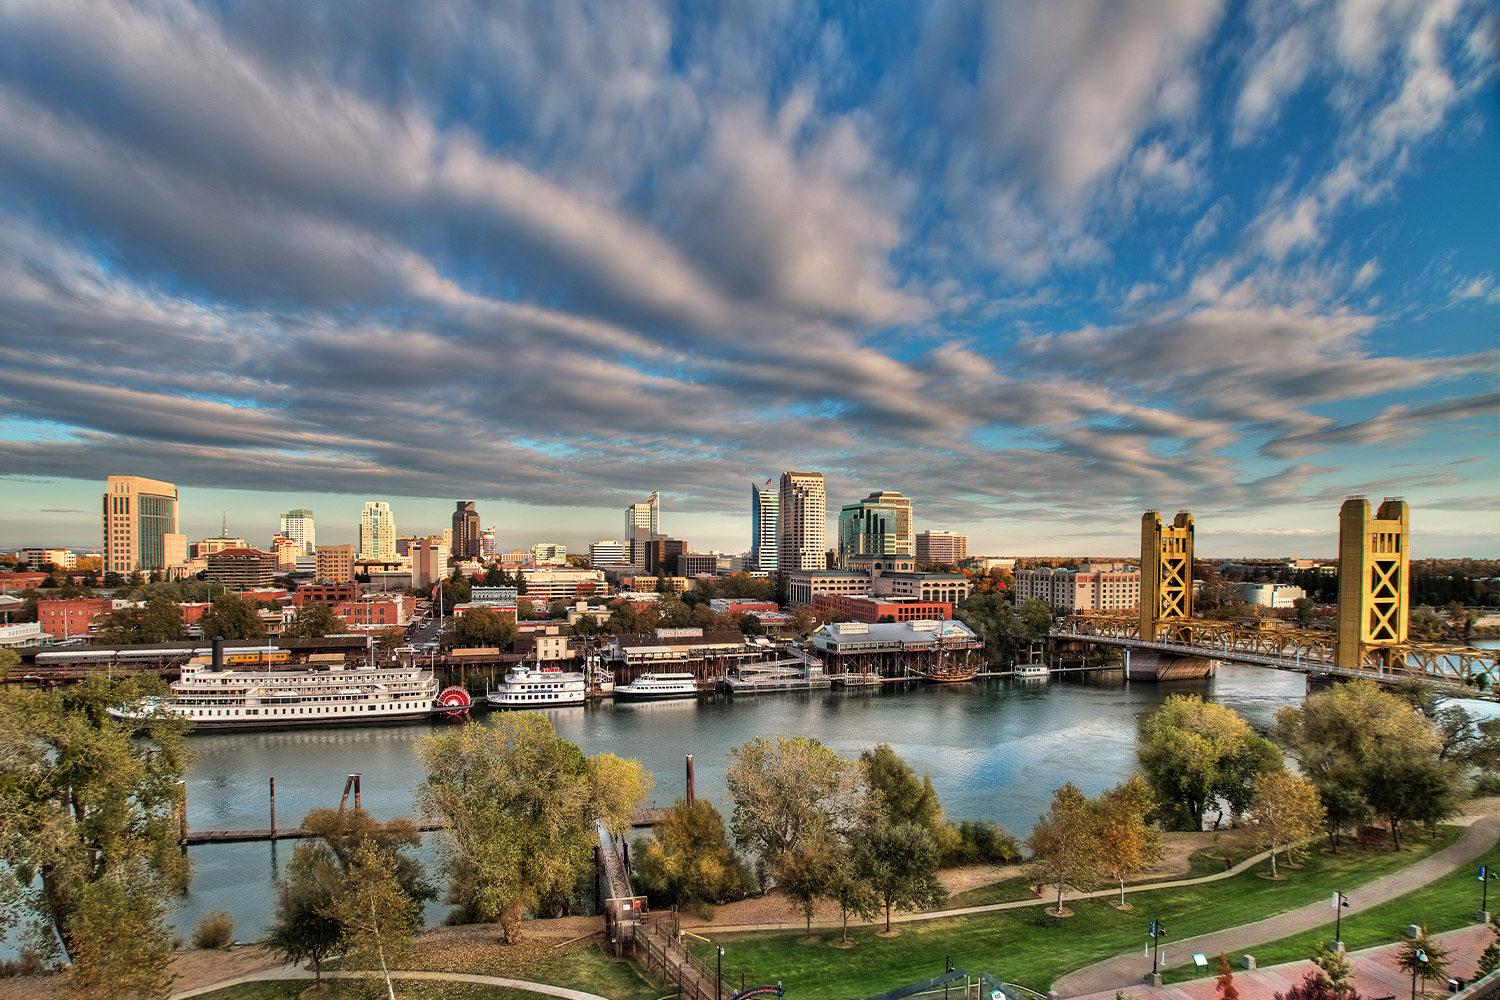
x: 1031, y: 672
x: 528, y: 688
x: 658, y: 686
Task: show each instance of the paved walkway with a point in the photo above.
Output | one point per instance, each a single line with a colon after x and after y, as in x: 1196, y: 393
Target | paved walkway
x: 1126, y: 971
x: 298, y: 972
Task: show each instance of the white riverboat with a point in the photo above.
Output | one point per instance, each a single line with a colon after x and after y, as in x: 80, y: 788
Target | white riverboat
x: 1031, y: 672
x: 526, y: 687
x: 285, y: 696
x: 657, y: 687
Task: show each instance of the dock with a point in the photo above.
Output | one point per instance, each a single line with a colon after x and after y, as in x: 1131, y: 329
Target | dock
x: 642, y: 818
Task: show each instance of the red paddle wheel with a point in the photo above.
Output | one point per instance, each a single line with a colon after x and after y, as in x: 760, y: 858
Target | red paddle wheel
x: 453, y: 702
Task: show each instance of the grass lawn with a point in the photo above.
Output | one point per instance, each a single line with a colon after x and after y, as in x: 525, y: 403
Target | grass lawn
x: 1444, y: 905
x: 374, y: 989
x: 1013, y: 947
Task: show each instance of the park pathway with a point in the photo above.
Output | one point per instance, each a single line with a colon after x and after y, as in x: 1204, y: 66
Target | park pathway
x: 1126, y: 971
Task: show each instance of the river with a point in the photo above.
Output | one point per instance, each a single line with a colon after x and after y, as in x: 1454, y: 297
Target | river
x: 995, y: 750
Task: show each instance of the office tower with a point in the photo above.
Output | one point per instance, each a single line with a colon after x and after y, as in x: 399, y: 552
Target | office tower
x: 487, y: 544
x: 335, y: 564
x: 377, y: 532
x: 607, y: 552
x: 942, y: 547
x: 878, y: 525
x: 465, y: 542
x: 298, y: 526
x: 765, y: 506
x: 642, y: 521
x: 802, y: 526
x: 140, y: 525
x: 429, y: 561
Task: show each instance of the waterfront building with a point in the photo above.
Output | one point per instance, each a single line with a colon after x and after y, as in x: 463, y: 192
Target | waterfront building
x: 377, y: 532
x: 765, y: 507
x: 241, y: 569
x: 335, y: 564
x: 804, y: 585
x: 465, y: 531
x: 297, y: 524
x: 22, y: 635
x: 893, y: 649
x: 878, y: 525
x: 1090, y: 587
x: 942, y: 547
x: 139, y: 522
x: 429, y: 561
x: 802, y: 523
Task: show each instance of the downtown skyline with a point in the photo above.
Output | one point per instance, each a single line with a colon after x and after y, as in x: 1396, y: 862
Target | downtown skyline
x: 1038, y: 269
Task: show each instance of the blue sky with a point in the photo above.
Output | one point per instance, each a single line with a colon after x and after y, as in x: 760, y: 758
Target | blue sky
x: 1038, y: 266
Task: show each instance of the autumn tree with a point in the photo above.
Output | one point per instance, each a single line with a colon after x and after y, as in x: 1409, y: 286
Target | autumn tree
x: 1224, y: 983
x: 375, y: 912
x: 313, y: 621
x: 89, y: 820
x: 9, y: 660
x: 688, y: 861
x: 1128, y: 840
x: 1063, y: 847
x: 232, y: 617
x: 1335, y: 965
x: 789, y: 791
x: 1287, y: 811
x: 806, y: 872
x: 898, y: 861
x: 520, y: 804
x: 1195, y: 752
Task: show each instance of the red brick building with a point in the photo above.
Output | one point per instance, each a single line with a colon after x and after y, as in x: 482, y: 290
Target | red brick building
x: 376, y: 613
x: 65, y: 619
x: 855, y: 608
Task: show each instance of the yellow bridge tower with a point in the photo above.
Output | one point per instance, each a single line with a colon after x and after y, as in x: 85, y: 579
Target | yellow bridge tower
x: 1166, y: 575
x: 1373, y: 568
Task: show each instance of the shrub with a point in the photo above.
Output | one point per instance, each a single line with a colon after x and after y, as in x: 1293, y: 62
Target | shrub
x: 1486, y: 784
x: 215, y: 930
x: 977, y: 842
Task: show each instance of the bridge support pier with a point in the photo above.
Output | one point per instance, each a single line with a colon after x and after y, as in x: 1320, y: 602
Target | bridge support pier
x: 1171, y: 667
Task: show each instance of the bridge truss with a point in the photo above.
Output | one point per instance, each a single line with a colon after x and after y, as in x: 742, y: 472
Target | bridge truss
x: 1287, y: 647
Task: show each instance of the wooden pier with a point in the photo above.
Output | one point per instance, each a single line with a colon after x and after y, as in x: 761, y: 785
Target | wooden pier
x: 641, y: 818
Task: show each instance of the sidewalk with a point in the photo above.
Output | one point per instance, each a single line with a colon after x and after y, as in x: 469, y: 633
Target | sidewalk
x: 1126, y: 972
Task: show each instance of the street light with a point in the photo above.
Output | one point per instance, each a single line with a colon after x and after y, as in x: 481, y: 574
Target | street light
x: 1158, y: 930
x: 1340, y: 902
x: 1485, y: 874
x: 719, y: 984
x: 1421, y: 961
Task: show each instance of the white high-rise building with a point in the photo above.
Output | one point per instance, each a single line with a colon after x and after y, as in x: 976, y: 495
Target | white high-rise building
x: 298, y: 526
x: 765, y: 507
x: 642, y: 521
x: 377, y: 532
x: 487, y: 544
x: 802, y: 525
x: 607, y: 552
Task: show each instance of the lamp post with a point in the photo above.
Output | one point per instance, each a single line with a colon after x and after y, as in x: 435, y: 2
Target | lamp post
x: 1485, y: 874
x: 719, y: 982
x: 1340, y: 902
x: 1158, y: 930
x: 1421, y: 960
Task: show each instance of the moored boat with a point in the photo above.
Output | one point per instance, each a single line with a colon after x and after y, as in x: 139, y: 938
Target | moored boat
x: 525, y: 687
x: 648, y: 687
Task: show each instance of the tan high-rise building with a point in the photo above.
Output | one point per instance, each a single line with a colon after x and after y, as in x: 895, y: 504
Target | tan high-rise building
x: 429, y: 561
x: 802, y: 526
x: 335, y: 564
x: 942, y: 547
x: 377, y: 532
x: 139, y: 520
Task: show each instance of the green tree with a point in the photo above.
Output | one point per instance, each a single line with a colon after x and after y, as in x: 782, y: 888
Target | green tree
x: 9, y: 660
x: 376, y: 915
x: 1128, y: 840
x: 232, y: 617
x: 899, y: 864
x: 306, y: 928
x: 1423, y: 956
x: 1064, y: 845
x: 345, y: 831
x: 118, y: 940
x: 897, y: 794
x: 1306, y: 611
x: 389, y: 640
x: 1287, y: 812
x: 159, y: 621
x: 1335, y: 734
x: 1194, y: 752
x: 520, y: 805
x: 805, y: 873
x: 849, y: 889
x: 484, y: 627
x: 89, y: 817
x: 456, y: 590
x: 1343, y: 807
x: 1408, y: 789
x: 785, y: 792
x: 1336, y: 966
x: 313, y: 621
x: 688, y: 860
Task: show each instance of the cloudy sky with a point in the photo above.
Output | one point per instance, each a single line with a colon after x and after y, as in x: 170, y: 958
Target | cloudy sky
x: 1038, y: 266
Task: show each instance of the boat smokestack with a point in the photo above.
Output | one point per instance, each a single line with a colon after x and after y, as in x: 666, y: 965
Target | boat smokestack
x: 218, y: 652
x: 690, y: 794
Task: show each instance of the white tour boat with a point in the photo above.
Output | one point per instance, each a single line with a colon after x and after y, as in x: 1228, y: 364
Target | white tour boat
x: 273, y: 698
x: 658, y: 686
x: 526, y: 687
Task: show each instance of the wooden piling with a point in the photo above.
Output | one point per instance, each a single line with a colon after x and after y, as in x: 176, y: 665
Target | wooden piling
x: 273, y: 810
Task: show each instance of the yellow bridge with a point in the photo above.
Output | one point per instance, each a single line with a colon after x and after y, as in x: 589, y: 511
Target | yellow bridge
x: 1370, y: 639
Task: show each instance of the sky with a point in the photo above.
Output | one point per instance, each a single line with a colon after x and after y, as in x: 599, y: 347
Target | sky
x: 1040, y: 267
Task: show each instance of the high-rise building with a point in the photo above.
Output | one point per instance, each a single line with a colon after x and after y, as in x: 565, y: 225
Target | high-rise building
x: 942, y: 547
x: 298, y: 526
x: 487, y: 546
x: 465, y: 544
x: 140, y: 525
x: 765, y: 507
x: 607, y: 552
x: 377, y: 532
x: 335, y: 564
x: 642, y: 523
x: 429, y: 561
x: 802, y: 523
x: 878, y: 525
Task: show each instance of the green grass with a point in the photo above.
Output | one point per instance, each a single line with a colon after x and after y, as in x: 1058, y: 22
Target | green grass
x: 1010, y: 944
x: 355, y: 989
x: 1443, y: 905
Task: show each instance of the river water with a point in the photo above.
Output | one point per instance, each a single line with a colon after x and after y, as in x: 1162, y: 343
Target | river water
x: 995, y: 750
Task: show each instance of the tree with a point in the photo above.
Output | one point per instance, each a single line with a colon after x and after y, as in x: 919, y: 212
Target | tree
x: 1403, y: 789
x: 345, y: 831
x: 1064, y: 845
x: 118, y: 941
x: 806, y: 872
x: 789, y: 791
x: 89, y: 818
x: 1422, y: 956
x: 159, y: 621
x: 1335, y: 733
x: 849, y: 889
x: 688, y: 860
x: 389, y: 640
x: 232, y: 617
x: 899, y: 864
x: 1224, y: 984
x: 1287, y: 811
x: 376, y: 915
x: 484, y: 627
x: 456, y: 590
x: 1336, y: 966
x: 1128, y: 841
x: 9, y: 660
x: 1343, y: 807
x: 520, y: 805
x: 897, y: 793
x: 306, y: 927
x: 1194, y: 752
x: 313, y: 621
x: 1305, y: 611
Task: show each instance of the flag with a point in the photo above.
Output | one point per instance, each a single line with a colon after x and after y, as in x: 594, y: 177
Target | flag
x: 768, y: 482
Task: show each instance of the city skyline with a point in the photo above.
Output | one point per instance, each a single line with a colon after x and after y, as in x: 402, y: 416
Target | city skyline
x: 1038, y: 268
